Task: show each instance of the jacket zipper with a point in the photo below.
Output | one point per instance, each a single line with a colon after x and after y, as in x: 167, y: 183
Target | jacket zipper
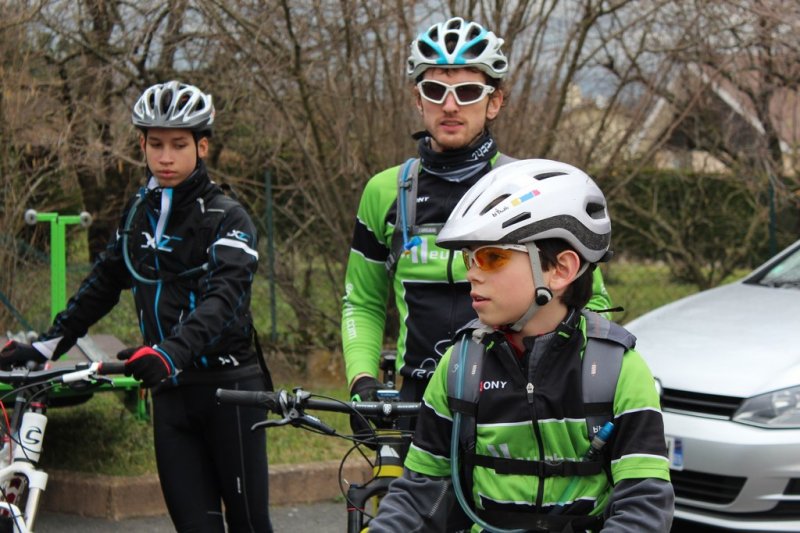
x: 537, y: 434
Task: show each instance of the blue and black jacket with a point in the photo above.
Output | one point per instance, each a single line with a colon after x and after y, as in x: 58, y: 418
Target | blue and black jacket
x: 201, y: 322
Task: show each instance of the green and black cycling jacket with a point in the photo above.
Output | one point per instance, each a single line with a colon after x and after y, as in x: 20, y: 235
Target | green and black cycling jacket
x: 430, y: 289
x: 546, y: 424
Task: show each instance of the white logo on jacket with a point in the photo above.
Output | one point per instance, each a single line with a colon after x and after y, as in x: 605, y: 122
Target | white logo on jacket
x: 161, y: 245
x: 489, y: 385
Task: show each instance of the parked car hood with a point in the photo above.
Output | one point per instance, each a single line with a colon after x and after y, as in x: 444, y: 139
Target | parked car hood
x: 736, y: 340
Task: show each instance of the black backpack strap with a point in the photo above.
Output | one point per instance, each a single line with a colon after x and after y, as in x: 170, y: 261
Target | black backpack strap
x: 262, y: 362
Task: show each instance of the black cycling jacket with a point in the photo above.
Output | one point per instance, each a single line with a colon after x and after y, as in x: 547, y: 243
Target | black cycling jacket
x: 201, y: 321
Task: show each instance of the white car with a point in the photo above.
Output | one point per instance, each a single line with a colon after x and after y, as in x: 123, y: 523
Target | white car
x: 727, y: 362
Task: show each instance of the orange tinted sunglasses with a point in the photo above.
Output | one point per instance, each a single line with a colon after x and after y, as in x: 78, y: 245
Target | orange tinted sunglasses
x: 492, y: 257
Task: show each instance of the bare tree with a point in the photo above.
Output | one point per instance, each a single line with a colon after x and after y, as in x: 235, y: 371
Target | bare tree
x: 315, y: 93
x: 731, y: 88
x: 27, y: 164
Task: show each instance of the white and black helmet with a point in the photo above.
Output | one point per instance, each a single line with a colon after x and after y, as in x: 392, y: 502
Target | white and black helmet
x: 530, y: 200
x: 457, y: 43
x: 174, y: 105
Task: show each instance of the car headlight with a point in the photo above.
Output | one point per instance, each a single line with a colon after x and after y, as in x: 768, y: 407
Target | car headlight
x: 779, y: 409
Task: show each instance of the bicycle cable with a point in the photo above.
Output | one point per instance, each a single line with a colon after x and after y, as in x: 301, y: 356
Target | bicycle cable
x: 45, y: 387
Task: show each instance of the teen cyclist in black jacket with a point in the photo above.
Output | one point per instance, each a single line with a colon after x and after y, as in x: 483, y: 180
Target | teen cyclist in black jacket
x: 188, y: 253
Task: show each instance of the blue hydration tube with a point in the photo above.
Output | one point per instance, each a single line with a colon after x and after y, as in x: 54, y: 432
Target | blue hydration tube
x: 127, y: 258
x: 415, y: 241
x: 454, y: 441
x: 125, y: 255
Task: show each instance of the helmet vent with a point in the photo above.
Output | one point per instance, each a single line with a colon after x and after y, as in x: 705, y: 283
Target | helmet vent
x: 427, y: 52
x: 493, y: 203
x: 517, y: 219
x: 548, y: 175
x: 476, y: 50
x: 454, y: 24
x: 450, y: 42
x: 184, y: 99
x: 166, y: 100
x: 595, y: 210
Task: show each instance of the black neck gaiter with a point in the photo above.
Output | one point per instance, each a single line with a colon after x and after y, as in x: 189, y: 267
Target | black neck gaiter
x: 460, y: 164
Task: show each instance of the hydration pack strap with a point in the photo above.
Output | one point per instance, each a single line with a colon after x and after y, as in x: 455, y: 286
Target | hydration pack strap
x: 406, y: 216
x: 467, y: 405
x: 505, y: 466
x: 406, y: 211
x: 537, y: 522
x: 602, y: 362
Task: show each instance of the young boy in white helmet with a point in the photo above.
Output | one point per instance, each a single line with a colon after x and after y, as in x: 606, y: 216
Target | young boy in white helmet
x: 513, y: 442
x: 457, y: 67
x: 188, y: 253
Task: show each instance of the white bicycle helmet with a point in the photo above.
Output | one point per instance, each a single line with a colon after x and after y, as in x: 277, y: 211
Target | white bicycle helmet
x: 174, y: 105
x: 528, y: 200
x: 457, y: 43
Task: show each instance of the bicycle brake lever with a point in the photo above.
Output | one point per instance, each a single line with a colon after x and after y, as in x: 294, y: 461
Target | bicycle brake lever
x: 269, y: 424
x: 301, y: 419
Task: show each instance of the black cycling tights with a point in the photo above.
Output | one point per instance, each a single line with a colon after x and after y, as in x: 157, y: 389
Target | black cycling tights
x: 206, y: 454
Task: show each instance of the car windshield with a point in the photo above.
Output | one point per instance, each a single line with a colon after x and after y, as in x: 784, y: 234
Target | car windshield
x: 785, y: 273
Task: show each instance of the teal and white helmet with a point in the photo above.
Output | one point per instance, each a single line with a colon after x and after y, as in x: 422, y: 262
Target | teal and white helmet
x: 174, y: 105
x: 457, y: 43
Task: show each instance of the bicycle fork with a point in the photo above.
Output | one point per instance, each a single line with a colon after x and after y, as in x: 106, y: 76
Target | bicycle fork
x: 37, y: 482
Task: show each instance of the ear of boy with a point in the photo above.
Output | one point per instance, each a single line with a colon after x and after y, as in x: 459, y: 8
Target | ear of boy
x: 202, y: 148
x: 563, y: 273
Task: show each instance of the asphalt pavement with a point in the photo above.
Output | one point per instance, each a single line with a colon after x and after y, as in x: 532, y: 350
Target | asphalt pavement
x: 322, y: 517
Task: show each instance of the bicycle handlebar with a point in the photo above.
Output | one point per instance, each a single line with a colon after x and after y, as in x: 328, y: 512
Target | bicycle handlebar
x: 292, y: 407
x: 278, y: 400
x: 65, y: 374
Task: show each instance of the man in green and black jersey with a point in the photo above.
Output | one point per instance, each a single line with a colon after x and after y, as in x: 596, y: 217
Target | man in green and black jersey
x: 457, y: 67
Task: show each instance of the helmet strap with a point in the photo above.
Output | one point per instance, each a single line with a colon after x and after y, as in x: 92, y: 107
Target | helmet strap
x: 541, y: 293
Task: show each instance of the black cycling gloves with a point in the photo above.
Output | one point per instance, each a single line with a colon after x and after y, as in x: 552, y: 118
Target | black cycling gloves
x: 365, y: 389
x: 17, y: 354
x: 146, y: 364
